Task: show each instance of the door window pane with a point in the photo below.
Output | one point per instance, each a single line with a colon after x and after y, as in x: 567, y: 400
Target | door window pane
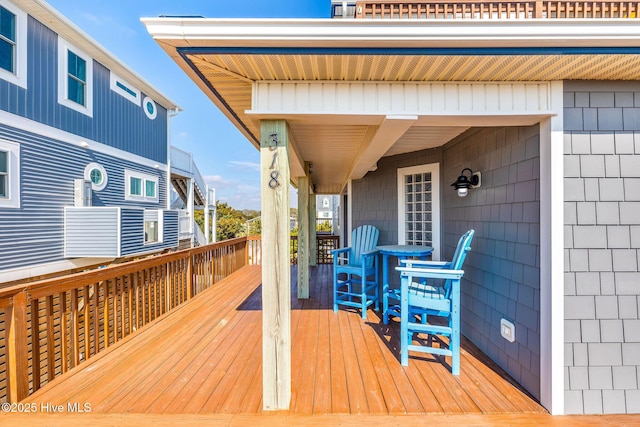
x: 418, y: 218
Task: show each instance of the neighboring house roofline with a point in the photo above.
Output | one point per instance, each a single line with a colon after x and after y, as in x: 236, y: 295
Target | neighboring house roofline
x: 54, y: 20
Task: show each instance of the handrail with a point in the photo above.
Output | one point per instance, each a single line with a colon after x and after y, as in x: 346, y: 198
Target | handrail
x: 55, y: 324
x: 496, y: 9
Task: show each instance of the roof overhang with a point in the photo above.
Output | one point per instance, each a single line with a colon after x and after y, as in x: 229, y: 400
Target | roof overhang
x: 229, y: 58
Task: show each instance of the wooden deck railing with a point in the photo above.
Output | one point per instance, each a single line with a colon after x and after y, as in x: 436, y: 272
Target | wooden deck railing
x: 54, y: 325
x: 488, y: 9
x: 324, y: 243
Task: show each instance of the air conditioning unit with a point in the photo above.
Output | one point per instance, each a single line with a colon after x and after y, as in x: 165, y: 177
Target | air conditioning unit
x: 81, y: 192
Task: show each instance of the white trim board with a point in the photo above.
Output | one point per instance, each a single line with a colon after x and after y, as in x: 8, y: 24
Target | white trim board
x: 552, y: 256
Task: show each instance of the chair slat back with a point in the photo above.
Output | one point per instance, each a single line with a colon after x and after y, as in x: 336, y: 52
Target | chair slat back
x: 363, y: 239
x: 464, y: 246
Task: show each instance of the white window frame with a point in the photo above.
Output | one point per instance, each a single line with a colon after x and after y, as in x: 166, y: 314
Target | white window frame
x: 115, y: 79
x: 13, y: 172
x: 128, y: 174
x: 146, y: 101
x: 156, y: 216
x: 19, y: 77
x: 434, y: 169
x: 87, y: 175
x: 63, y: 70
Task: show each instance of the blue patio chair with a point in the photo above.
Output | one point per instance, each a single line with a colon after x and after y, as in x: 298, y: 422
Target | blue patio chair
x: 422, y: 296
x: 359, y: 263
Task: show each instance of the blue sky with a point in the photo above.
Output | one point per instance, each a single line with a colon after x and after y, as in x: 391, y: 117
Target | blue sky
x: 228, y: 161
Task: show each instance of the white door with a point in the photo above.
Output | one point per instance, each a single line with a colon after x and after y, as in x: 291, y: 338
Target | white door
x: 419, y: 206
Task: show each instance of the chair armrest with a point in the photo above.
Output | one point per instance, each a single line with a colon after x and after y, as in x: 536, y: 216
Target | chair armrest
x: 432, y: 273
x: 371, y: 253
x: 340, y: 251
x: 430, y: 264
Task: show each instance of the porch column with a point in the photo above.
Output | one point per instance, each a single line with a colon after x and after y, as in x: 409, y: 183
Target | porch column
x: 313, y: 244
x: 303, y: 235
x: 207, y: 213
x: 190, y: 207
x: 214, y: 219
x: 276, y: 269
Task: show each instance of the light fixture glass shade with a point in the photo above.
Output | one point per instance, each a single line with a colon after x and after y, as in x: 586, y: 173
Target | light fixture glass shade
x: 463, y: 191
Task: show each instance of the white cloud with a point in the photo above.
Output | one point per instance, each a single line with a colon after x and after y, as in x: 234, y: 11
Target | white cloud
x: 251, y: 165
x: 237, y: 194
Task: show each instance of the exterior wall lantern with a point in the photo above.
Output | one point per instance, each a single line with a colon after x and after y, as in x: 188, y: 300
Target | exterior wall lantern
x: 464, y: 182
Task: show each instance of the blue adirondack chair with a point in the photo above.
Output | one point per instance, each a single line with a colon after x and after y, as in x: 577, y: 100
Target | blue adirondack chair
x: 421, y: 296
x: 359, y: 263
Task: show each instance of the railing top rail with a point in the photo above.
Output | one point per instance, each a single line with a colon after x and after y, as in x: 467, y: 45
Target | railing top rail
x: 73, y: 281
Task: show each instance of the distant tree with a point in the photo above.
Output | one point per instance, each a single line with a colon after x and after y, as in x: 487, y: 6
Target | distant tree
x: 324, y: 226
x: 231, y: 223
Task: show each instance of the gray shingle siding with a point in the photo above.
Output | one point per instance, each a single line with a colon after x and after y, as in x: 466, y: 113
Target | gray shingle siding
x: 502, y: 276
x: 602, y: 223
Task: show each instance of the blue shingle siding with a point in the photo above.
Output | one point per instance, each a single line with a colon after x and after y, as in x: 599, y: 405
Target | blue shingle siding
x: 34, y: 234
x: 502, y: 277
x: 602, y: 226
x: 116, y: 121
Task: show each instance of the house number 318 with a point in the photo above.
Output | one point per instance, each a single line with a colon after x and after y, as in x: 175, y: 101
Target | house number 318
x: 275, y: 174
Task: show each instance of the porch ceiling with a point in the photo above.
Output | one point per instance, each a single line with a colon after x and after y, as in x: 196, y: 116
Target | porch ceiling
x: 226, y: 57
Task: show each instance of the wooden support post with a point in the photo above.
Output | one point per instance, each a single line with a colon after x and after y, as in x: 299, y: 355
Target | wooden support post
x: 313, y: 243
x: 17, y: 349
x: 303, y: 237
x: 276, y: 270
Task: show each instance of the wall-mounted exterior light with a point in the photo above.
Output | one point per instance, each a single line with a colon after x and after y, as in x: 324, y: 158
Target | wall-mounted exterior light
x: 464, y: 182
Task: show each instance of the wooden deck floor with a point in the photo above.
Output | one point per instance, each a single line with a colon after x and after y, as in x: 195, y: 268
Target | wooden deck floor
x: 205, y: 358
x: 201, y: 365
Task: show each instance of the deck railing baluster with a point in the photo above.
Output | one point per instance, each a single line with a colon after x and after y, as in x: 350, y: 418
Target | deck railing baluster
x: 35, y: 342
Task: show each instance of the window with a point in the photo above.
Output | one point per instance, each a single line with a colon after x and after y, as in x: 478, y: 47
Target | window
x: 9, y: 174
x: 419, y: 207
x: 152, y: 226
x: 135, y: 186
x: 75, y: 78
x: 13, y: 44
x: 150, y: 189
x: 149, y: 107
x: 4, y: 174
x: 7, y: 40
x: 140, y: 186
x: 97, y: 175
x: 125, y: 89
